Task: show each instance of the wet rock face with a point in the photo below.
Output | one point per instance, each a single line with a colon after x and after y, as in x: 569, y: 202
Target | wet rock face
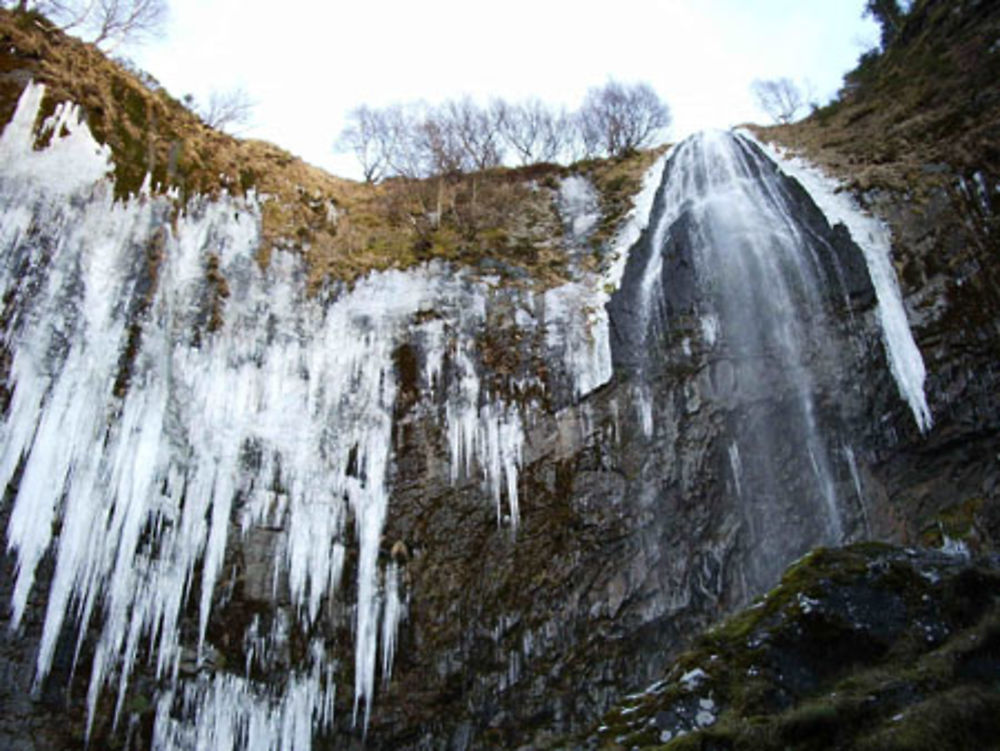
x: 945, y: 250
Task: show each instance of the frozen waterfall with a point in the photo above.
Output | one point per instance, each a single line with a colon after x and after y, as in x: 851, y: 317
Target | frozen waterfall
x: 144, y: 433
x: 155, y: 418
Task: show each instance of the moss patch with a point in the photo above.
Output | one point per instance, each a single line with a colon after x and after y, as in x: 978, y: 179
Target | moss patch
x: 865, y: 647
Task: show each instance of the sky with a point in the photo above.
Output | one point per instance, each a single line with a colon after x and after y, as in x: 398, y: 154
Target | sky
x: 307, y: 63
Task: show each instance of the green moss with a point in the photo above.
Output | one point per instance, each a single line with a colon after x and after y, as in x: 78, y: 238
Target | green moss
x: 956, y: 522
x: 959, y: 719
x: 817, y: 722
x: 687, y: 742
x: 139, y: 704
x: 853, y: 697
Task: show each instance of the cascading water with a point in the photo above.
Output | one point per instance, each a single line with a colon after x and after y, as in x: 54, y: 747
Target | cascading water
x: 743, y: 282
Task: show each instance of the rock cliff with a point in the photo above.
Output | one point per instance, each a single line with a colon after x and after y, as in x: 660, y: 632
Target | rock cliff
x: 257, y: 497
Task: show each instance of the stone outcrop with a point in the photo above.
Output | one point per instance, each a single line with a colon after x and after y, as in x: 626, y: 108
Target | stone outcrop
x: 866, y: 647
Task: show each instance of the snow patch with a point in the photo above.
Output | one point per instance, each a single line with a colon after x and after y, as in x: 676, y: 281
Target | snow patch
x: 579, y: 205
x: 693, y: 678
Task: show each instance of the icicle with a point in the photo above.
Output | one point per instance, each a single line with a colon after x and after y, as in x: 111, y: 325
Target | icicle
x: 73, y: 160
x: 875, y: 241
x: 852, y: 465
x: 736, y: 466
x: 148, y: 454
x: 393, y: 610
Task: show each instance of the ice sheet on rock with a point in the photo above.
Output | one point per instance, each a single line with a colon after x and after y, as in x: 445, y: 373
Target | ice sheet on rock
x: 576, y: 333
x: 710, y: 328
x: 636, y: 221
x: 579, y: 207
x: 576, y: 317
x: 875, y: 241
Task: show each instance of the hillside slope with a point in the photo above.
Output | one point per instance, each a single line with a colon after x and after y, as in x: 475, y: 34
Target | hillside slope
x: 342, y: 228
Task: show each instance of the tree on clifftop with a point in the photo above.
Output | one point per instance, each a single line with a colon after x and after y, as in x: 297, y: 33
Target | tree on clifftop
x: 780, y: 98
x: 889, y: 15
x: 616, y: 118
x: 228, y: 110
x: 366, y: 135
x: 103, y: 22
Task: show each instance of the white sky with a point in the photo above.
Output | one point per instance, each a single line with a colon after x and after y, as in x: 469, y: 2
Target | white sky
x: 307, y: 63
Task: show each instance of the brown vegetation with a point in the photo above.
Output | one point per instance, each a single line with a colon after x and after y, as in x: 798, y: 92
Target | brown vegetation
x: 501, y: 220
x: 927, y: 105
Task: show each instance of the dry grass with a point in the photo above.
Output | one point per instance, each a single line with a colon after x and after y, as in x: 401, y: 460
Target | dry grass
x: 503, y: 221
x: 930, y: 103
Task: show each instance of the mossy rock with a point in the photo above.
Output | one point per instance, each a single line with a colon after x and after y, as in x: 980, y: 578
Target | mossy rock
x: 840, y: 654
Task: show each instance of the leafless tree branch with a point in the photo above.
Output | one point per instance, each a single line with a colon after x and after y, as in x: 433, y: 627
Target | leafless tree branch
x: 780, y: 98
x: 228, y: 110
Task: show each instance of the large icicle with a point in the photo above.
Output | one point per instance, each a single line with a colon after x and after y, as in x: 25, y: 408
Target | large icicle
x: 875, y: 241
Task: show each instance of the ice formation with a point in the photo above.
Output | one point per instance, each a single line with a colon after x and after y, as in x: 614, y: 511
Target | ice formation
x: 875, y: 241
x: 149, y: 431
x: 576, y: 315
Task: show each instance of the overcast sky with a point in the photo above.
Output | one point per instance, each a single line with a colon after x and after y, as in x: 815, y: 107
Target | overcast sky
x: 307, y: 63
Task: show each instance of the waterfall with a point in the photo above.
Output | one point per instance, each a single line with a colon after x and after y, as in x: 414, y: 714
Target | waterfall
x: 742, y: 281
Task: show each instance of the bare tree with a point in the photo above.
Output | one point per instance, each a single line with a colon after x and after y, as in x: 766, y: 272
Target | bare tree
x: 117, y: 21
x: 406, y: 148
x: 463, y: 138
x: 59, y: 11
x: 534, y: 130
x: 476, y: 130
x: 617, y: 118
x: 366, y: 135
x: 228, y: 110
x: 779, y: 97
x: 104, y: 22
x: 588, y: 136
x: 439, y: 143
